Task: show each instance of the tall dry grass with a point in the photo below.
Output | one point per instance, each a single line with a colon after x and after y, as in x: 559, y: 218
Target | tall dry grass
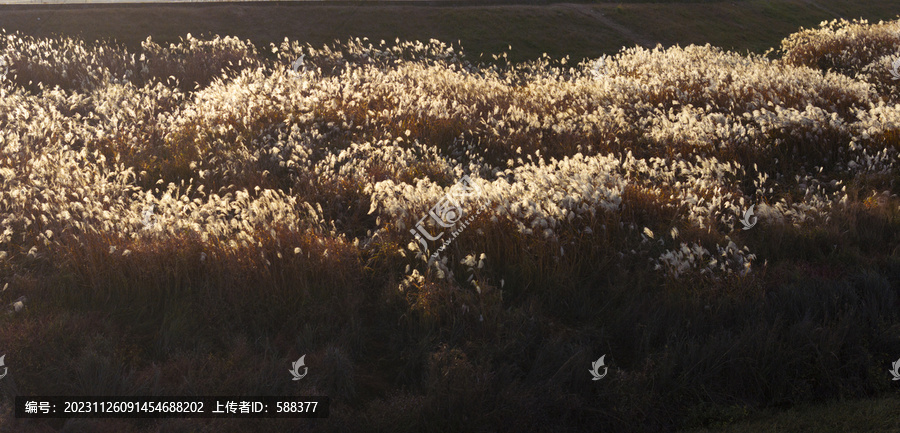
x: 190, y: 219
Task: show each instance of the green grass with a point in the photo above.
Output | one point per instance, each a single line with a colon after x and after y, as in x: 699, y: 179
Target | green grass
x: 753, y: 25
x: 557, y: 29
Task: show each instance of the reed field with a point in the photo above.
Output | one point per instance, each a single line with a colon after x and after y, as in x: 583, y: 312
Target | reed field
x: 190, y: 218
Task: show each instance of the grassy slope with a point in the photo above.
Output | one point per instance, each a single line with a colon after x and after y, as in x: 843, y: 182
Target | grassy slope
x: 579, y: 30
x: 750, y: 25
x: 870, y: 415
